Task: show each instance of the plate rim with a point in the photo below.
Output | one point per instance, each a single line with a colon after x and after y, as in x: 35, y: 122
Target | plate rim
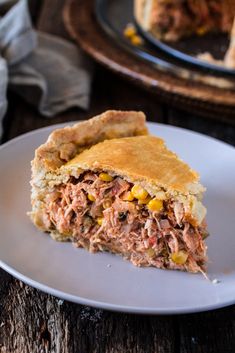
x: 219, y: 70
x: 99, y: 304
x: 107, y: 306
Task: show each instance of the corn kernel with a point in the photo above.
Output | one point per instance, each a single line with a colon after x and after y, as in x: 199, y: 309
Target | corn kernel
x: 150, y: 252
x: 129, y: 31
x: 155, y: 205
x: 127, y: 196
x: 100, y: 221
x: 105, y: 177
x: 139, y: 193
x: 145, y: 201
x: 136, y: 40
x: 179, y: 257
x: 91, y: 197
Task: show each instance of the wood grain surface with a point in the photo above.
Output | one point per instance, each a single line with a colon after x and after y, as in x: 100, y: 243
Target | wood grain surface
x: 34, y: 322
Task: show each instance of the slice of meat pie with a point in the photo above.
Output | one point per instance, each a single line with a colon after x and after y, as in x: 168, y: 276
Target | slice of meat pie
x: 109, y: 186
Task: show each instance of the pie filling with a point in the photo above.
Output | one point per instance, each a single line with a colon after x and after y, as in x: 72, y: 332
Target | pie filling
x: 175, y: 19
x: 100, y: 212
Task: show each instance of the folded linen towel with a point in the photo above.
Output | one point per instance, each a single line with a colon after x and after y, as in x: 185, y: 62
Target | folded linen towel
x: 48, y: 72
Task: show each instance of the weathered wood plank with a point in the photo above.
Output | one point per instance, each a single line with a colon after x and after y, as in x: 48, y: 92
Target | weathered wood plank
x: 218, y: 129
x: 211, y: 332
x: 32, y: 321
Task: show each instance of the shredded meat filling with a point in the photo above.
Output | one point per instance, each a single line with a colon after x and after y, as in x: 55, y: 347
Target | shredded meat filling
x: 93, y: 213
x: 176, y: 19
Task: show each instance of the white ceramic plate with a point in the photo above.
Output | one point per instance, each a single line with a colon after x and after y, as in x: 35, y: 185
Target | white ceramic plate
x: 107, y: 281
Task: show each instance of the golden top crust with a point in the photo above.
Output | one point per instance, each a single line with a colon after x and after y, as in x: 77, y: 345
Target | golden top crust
x: 141, y: 159
x: 63, y: 144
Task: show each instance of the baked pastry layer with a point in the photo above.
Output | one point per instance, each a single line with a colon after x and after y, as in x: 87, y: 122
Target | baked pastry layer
x: 64, y: 144
x: 142, y: 159
x: 128, y: 195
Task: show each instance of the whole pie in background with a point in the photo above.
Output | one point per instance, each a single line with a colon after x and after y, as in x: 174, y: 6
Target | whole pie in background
x: 171, y: 20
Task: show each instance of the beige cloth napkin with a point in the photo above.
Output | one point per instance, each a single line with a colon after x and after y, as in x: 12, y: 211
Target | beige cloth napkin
x: 48, y: 72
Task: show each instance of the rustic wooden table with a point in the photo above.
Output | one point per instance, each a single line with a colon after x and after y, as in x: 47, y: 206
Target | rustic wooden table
x: 31, y: 321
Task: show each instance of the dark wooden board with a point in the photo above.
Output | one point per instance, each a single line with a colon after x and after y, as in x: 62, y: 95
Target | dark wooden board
x: 34, y: 322
x: 85, y: 30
